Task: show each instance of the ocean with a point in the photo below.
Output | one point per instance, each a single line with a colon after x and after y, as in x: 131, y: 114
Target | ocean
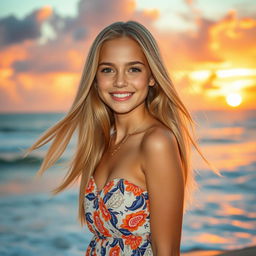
x: 32, y: 222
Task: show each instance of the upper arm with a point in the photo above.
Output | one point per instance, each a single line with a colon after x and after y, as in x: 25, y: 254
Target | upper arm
x: 165, y: 184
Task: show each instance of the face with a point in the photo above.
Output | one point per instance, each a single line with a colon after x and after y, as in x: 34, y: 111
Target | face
x: 123, y: 75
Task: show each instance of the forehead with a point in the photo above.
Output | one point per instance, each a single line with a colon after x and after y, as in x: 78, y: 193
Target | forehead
x: 121, y: 49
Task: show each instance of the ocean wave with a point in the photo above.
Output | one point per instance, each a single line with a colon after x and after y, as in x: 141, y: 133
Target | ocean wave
x: 9, y: 129
x: 30, y: 160
x: 217, y: 141
x: 17, y: 158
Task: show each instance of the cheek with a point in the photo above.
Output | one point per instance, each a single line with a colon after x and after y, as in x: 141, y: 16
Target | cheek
x: 102, y: 95
x: 102, y: 88
x: 103, y: 82
x: 141, y: 82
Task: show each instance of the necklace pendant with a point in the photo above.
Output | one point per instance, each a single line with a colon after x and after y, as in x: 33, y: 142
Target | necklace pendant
x: 122, y: 142
x: 119, y: 145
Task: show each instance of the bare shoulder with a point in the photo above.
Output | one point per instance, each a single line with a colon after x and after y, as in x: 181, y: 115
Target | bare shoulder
x: 162, y: 166
x: 160, y: 152
x: 157, y: 139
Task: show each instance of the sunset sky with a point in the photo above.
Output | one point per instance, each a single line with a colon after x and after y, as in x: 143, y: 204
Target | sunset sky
x: 209, y: 48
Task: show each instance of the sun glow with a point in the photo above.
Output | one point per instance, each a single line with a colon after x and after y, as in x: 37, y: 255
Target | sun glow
x: 237, y: 72
x: 234, y: 99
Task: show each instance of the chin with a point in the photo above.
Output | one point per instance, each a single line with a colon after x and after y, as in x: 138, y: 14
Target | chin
x: 115, y: 111
x: 121, y: 110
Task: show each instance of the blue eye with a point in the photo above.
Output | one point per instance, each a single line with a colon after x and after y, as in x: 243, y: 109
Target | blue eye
x: 133, y: 69
x: 106, y: 70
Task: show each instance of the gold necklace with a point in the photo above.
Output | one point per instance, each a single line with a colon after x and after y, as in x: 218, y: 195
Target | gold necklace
x: 116, y: 148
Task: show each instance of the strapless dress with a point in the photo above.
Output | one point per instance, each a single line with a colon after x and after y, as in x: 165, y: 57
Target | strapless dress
x: 118, y: 216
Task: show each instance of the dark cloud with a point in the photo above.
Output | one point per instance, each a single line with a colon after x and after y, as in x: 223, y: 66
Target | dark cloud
x: 21, y: 66
x: 184, y: 49
x: 75, y: 33
x: 94, y: 16
x: 78, y: 32
x: 43, y: 66
x: 49, y: 58
x: 39, y: 70
x: 13, y: 30
x: 197, y: 44
x: 99, y: 13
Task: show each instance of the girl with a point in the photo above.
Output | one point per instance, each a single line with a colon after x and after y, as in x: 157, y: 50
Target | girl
x: 133, y: 147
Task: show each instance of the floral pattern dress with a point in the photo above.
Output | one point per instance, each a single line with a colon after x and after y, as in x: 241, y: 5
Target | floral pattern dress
x: 118, y: 216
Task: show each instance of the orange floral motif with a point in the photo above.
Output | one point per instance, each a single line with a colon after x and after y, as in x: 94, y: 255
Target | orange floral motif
x: 115, y: 251
x: 133, y: 241
x: 90, y: 186
x: 133, y: 188
x: 89, y: 252
x: 104, y: 211
x: 134, y: 220
x: 99, y: 224
x: 108, y: 186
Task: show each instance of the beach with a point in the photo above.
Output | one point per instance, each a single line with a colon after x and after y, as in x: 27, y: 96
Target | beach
x: 248, y: 251
x: 35, y: 223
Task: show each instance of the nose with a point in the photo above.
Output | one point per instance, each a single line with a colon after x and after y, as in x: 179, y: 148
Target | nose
x: 120, y: 80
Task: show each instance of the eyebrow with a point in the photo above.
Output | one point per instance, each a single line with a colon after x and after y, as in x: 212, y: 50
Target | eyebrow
x: 128, y: 63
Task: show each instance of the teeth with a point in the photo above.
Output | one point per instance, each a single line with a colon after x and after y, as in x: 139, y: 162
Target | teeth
x: 122, y: 95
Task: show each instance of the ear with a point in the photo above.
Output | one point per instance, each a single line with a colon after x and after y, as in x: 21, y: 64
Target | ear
x: 152, y: 81
x: 94, y: 83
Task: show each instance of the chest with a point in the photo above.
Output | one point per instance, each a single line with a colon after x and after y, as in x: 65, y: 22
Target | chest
x: 124, y: 163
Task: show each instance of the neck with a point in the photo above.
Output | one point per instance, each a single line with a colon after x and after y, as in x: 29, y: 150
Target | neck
x: 130, y: 122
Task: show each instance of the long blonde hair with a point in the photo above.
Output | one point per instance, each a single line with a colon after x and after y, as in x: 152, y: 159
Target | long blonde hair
x: 93, y: 119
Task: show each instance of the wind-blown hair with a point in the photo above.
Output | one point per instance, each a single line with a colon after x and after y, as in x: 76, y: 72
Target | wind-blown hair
x: 93, y: 119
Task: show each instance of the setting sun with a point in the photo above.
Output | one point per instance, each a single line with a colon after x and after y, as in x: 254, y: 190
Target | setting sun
x: 234, y: 99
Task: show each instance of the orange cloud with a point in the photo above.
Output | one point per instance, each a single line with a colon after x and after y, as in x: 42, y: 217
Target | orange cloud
x: 44, y: 13
x: 13, y: 53
x: 32, y: 74
x: 54, y: 91
x: 230, y: 27
x: 234, y: 38
x: 152, y: 13
x: 131, y: 6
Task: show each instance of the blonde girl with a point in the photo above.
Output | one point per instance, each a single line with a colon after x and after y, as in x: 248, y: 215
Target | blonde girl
x: 134, y: 138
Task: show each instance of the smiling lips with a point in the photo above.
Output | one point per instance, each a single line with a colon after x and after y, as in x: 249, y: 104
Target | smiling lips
x: 121, y: 96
